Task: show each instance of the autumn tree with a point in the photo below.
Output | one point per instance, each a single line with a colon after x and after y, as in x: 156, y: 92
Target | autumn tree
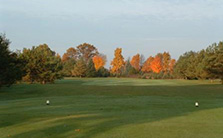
x: 135, y: 62
x: 156, y: 64
x: 118, y: 62
x: 88, y: 58
x: 99, y: 61
x: 69, y: 59
x: 171, y: 65
x: 86, y: 51
x: 71, y: 53
x: 166, y: 62
x: 147, y: 65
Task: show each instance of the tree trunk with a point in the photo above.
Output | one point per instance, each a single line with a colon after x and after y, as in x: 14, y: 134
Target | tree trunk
x: 43, y: 82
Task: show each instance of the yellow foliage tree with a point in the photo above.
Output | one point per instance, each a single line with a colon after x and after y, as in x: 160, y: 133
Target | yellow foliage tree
x: 166, y: 62
x: 118, y: 61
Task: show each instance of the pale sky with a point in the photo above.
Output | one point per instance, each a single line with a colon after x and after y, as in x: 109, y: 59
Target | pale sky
x: 138, y: 26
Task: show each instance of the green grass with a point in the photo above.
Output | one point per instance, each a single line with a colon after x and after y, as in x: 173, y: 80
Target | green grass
x: 112, y: 108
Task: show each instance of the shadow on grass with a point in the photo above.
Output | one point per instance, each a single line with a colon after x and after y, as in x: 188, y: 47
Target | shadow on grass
x: 115, y: 106
x: 109, y: 122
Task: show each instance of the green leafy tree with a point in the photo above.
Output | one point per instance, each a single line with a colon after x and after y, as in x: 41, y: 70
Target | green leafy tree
x: 10, y: 64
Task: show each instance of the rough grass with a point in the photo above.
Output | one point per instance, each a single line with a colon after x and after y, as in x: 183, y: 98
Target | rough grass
x: 112, y: 108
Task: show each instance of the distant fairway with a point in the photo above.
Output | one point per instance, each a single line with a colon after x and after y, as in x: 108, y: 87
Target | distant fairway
x: 112, y: 108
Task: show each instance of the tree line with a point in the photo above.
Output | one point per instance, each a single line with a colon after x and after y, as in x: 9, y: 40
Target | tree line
x: 40, y: 64
x: 160, y: 66
x: 204, y: 64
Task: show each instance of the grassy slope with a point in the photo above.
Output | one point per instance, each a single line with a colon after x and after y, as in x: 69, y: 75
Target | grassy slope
x: 112, y: 108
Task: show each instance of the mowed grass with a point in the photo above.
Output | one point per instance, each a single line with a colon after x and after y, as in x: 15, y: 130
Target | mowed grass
x: 112, y: 108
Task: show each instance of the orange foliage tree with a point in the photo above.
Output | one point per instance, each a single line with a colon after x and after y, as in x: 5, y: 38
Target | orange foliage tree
x: 135, y: 62
x: 65, y: 57
x: 147, y: 65
x: 156, y: 64
x: 99, y: 61
x: 118, y: 61
x: 171, y: 66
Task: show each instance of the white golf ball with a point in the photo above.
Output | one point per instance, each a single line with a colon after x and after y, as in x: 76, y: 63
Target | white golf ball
x: 196, y: 104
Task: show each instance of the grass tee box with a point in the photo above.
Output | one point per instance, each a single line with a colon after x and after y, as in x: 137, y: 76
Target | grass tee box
x: 112, y: 108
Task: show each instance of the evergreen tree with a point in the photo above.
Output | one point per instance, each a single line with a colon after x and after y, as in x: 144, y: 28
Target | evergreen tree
x: 43, y: 65
x: 128, y: 69
x: 103, y: 72
x: 200, y: 65
x: 185, y: 66
x: 91, y: 71
x: 205, y: 64
x: 68, y: 66
x: 215, y: 60
x: 190, y: 72
x: 10, y: 64
x: 80, y: 69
